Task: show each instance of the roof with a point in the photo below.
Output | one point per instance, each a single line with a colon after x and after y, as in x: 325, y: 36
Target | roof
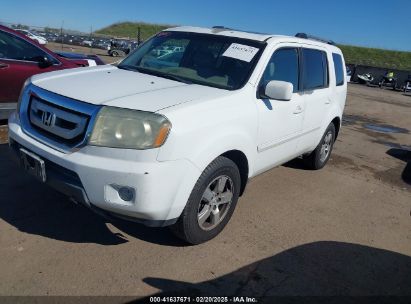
x: 222, y: 31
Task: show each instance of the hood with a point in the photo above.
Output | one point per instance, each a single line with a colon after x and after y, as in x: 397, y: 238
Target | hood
x: 108, y: 85
x: 71, y: 55
x: 81, y: 59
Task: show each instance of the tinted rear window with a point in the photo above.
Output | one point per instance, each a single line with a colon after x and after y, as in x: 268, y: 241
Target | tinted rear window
x: 339, y: 71
x: 315, y: 69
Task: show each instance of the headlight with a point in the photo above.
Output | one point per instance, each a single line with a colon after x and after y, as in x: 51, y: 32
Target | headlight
x: 130, y: 129
x: 26, y: 83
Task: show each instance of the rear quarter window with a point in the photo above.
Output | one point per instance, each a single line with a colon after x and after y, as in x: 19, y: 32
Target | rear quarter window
x: 339, y: 70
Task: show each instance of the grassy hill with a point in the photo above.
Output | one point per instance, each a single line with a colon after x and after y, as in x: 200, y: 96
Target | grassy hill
x: 377, y: 57
x: 129, y: 29
x: 353, y: 54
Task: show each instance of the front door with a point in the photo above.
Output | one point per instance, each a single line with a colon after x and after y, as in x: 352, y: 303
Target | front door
x: 280, y: 122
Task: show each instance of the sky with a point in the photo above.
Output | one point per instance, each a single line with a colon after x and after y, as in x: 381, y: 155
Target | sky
x: 370, y: 23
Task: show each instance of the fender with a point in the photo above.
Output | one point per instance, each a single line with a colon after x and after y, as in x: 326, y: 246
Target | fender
x: 202, y: 156
x: 205, y: 129
x: 202, y: 150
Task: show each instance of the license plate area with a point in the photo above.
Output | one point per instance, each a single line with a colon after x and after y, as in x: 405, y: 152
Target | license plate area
x: 33, y: 164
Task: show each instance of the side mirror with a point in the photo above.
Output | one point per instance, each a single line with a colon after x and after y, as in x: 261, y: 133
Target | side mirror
x: 44, y: 61
x: 280, y: 90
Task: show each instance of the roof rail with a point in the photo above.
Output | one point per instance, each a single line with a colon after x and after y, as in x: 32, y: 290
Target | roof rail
x: 305, y: 36
x: 221, y: 27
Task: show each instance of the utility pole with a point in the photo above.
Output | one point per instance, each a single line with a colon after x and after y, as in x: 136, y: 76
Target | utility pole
x: 91, y: 40
x: 61, y: 34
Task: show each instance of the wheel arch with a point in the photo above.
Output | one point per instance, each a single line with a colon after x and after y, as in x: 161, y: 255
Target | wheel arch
x: 241, y: 161
x: 337, y: 124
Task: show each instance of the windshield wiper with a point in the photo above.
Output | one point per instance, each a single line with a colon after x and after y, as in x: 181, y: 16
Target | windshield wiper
x: 155, y: 73
x: 127, y: 67
x: 174, y: 77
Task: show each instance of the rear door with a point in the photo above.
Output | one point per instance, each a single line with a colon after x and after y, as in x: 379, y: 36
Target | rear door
x: 19, y: 59
x: 316, y: 88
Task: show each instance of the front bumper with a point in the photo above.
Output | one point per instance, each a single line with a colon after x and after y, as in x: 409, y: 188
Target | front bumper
x: 92, y: 176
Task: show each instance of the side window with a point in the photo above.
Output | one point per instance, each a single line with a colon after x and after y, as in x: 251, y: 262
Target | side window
x: 315, y: 69
x: 12, y: 47
x: 339, y: 71
x: 283, y: 66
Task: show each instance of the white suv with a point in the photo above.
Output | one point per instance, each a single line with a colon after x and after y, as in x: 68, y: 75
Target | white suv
x: 173, y: 140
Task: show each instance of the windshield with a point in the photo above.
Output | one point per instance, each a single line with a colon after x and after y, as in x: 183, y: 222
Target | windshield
x: 217, y: 61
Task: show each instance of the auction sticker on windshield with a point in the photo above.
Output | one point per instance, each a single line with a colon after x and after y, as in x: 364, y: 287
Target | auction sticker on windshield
x: 241, y: 52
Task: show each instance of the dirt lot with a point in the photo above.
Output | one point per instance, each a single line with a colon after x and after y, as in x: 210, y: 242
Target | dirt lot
x: 343, y: 230
x: 83, y: 50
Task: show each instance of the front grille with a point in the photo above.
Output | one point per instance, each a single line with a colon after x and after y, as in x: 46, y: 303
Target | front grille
x: 55, y: 120
x: 61, y: 124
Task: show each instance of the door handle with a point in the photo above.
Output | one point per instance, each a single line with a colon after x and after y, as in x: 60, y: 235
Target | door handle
x: 328, y: 101
x: 3, y: 65
x: 298, y: 109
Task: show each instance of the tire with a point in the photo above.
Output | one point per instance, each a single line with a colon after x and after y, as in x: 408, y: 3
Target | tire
x: 199, y: 222
x: 114, y: 54
x: 319, y: 157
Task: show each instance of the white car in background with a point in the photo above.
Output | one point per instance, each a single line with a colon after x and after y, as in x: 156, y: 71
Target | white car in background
x: 39, y: 39
x: 87, y: 43
x: 175, y: 142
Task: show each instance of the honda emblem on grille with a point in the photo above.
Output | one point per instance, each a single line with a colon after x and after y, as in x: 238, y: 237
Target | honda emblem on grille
x: 48, y: 119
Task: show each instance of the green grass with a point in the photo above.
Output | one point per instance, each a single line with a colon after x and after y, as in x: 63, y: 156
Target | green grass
x: 129, y: 29
x: 377, y: 57
x: 353, y: 54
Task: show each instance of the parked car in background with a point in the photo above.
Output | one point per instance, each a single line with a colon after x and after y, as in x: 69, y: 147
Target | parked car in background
x: 39, y: 39
x: 21, y: 58
x: 121, y: 47
x: 87, y: 43
x: 102, y: 45
x: 175, y: 142
x: 81, y: 59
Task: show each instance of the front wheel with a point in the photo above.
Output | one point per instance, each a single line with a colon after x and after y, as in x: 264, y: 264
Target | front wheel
x: 211, y: 203
x: 320, y: 156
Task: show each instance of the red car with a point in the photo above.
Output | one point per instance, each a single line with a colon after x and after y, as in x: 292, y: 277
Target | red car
x: 21, y: 57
